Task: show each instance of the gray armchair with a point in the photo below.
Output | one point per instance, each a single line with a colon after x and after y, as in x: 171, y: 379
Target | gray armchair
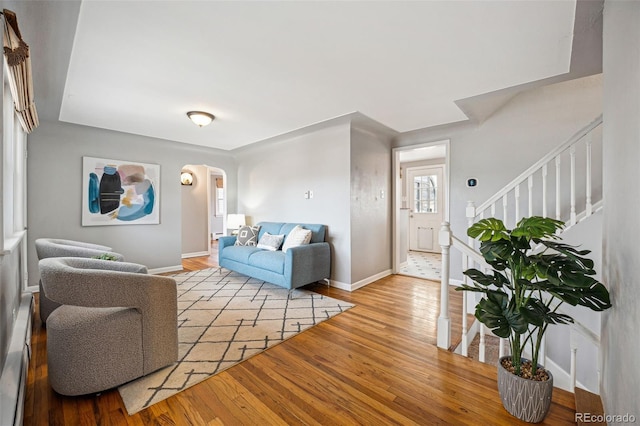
x: 52, y: 247
x: 116, y: 323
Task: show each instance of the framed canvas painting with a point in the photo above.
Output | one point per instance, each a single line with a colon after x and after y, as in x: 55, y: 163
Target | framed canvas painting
x: 116, y: 192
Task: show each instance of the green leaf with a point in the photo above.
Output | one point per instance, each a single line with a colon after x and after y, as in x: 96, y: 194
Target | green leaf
x: 496, y: 312
x: 537, y: 227
x: 497, y: 279
x: 491, y: 229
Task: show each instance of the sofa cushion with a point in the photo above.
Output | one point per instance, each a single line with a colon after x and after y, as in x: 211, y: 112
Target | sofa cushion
x: 269, y: 260
x: 248, y: 236
x: 239, y: 253
x: 297, y: 237
x: 270, y: 242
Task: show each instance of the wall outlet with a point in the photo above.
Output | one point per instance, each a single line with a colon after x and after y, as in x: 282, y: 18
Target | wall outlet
x: 310, y: 194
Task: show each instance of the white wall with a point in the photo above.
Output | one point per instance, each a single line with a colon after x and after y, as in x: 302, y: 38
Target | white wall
x: 273, y: 177
x: 621, y: 228
x: 55, y: 190
x: 588, y: 236
x: 370, y: 204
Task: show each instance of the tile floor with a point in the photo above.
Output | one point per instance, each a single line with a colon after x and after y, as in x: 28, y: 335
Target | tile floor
x: 423, y: 264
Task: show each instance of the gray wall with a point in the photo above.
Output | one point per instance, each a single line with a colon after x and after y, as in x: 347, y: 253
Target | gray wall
x: 195, y: 227
x: 621, y: 342
x: 274, y: 175
x: 370, y: 204
x: 55, y: 194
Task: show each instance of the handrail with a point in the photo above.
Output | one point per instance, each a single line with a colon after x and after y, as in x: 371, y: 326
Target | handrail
x: 469, y: 251
x: 551, y: 155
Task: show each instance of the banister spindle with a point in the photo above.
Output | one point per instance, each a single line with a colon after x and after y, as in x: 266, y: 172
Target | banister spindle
x: 493, y: 210
x: 544, y: 190
x: 483, y: 345
x: 517, y: 198
x: 572, y: 153
x: 589, y: 206
x: 530, y: 186
x: 504, y: 209
x: 465, y: 326
x: 558, y: 187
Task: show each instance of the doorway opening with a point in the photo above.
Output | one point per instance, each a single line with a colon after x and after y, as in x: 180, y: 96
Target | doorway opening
x: 420, y: 205
x: 204, y: 206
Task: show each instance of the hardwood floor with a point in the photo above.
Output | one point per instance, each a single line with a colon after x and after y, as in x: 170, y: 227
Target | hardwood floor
x: 375, y: 364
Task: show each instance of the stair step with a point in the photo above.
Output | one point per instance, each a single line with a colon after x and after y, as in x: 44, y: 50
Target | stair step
x: 588, y: 404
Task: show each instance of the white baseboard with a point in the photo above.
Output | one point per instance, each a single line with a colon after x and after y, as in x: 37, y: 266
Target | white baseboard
x: 195, y: 254
x: 166, y: 269
x: 361, y: 283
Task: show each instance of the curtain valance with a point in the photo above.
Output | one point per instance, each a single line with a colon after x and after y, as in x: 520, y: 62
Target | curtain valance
x: 16, y: 55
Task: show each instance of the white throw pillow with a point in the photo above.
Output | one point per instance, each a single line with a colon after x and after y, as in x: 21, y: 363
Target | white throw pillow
x: 270, y: 242
x: 297, y: 237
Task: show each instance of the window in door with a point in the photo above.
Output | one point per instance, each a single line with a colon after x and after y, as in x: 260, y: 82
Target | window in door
x: 425, y: 189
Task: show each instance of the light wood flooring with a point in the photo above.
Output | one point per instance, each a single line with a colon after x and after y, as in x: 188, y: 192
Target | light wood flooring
x: 376, y: 364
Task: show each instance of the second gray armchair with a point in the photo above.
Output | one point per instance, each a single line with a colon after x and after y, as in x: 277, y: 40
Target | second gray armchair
x: 55, y: 247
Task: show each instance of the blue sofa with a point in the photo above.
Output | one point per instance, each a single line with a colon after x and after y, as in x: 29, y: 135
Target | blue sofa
x: 297, y: 267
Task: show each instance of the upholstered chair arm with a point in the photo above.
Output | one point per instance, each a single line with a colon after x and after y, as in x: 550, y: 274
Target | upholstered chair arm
x: 225, y: 242
x: 101, y: 264
x: 49, y: 247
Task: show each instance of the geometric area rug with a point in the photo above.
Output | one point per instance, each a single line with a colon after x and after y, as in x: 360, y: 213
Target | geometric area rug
x: 223, y: 319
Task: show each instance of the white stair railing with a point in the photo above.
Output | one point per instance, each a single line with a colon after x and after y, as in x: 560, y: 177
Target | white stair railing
x: 537, y: 202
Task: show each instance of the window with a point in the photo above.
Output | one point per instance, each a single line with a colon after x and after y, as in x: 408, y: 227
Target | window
x: 425, y: 194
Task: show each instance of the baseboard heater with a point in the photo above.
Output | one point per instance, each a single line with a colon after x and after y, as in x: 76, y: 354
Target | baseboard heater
x: 14, y: 375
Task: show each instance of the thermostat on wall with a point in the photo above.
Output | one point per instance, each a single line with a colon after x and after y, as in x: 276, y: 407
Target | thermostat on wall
x: 471, y: 182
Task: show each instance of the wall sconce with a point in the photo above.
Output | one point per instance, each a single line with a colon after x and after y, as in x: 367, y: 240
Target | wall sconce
x: 200, y: 118
x: 186, y: 178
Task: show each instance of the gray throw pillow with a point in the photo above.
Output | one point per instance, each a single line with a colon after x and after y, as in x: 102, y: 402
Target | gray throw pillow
x: 270, y: 242
x: 248, y: 236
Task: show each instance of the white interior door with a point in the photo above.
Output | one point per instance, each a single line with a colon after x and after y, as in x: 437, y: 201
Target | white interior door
x: 426, y: 194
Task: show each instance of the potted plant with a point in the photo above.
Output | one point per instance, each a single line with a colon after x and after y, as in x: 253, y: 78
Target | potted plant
x: 533, y: 275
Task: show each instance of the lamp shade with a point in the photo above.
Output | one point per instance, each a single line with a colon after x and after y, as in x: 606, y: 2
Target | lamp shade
x: 235, y: 221
x: 200, y: 118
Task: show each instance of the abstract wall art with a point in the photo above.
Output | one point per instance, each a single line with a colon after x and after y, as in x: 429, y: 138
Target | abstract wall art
x: 116, y: 192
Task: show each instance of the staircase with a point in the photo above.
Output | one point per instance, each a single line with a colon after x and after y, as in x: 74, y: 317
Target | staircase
x: 565, y: 184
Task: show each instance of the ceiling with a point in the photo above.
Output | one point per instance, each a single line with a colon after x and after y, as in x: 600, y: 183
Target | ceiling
x: 268, y: 68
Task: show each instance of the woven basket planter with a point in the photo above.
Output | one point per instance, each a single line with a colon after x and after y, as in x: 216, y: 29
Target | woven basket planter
x: 528, y: 400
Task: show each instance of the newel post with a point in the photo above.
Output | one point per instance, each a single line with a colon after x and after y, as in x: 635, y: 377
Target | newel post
x: 444, y: 321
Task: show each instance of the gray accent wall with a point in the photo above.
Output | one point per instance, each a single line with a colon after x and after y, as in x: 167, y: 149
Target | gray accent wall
x: 621, y: 227
x: 273, y: 177
x: 370, y: 204
x: 54, y: 184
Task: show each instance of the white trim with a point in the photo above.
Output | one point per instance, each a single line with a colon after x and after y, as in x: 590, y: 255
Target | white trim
x: 361, y: 283
x: 196, y: 254
x: 165, y: 269
x: 12, y: 242
x: 340, y: 285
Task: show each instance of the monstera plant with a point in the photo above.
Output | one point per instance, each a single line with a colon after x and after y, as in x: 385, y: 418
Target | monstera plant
x: 533, y: 275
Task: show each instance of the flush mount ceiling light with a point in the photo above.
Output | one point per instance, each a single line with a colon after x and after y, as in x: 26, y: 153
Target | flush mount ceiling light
x: 200, y: 118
